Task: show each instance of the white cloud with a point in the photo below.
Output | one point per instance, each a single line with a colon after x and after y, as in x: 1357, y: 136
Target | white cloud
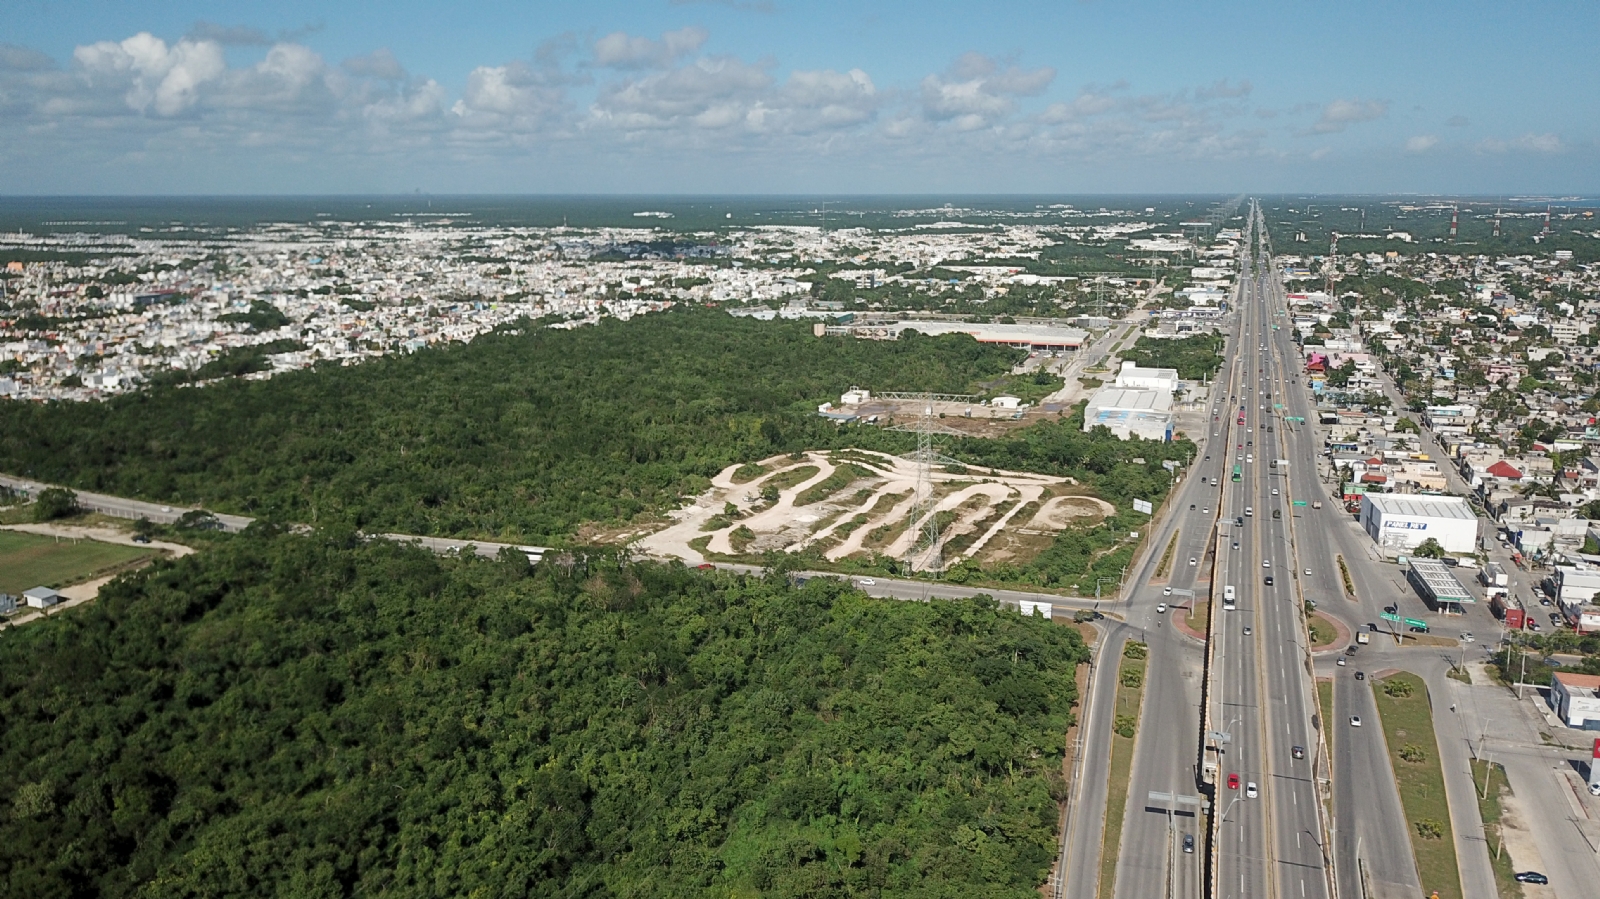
x: 511, y: 96
x: 620, y: 50
x: 380, y: 63
x: 158, y: 79
x: 1539, y: 143
x: 1421, y: 143
x: 707, y: 93
x: 1341, y: 114
x: 975, y: 92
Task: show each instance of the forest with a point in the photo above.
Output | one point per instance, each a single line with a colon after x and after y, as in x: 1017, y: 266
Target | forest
x: 523, y: 435
x: 1195, y: 357
x: 288, y: 715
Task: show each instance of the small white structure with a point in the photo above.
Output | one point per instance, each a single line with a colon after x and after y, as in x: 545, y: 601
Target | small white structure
x: 1006, y: 402
x: 1404, y: 522
x: 1576, y: 585
x: 855, y: 396
x: 1576, y: 699
x: 41, y: 597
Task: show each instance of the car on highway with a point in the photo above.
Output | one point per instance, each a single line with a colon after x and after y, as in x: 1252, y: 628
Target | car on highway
x: 1206, y: 511
x: 1266, y: 563
x: 1247, y: 630
x: 1392, y: 610
x: 1250, y: 791
x: 1249, y: 443
x: 1235, y: 544
x: 1468, y: 638
x: 1298, y: 752
x: 1188, y: 842
x: 867, y: 582
x: 1274, y: 491
x: 1355, y: 720
x: 1233, y: 781
x: 1161, y: 608
x: 1531, y: 877
x: 1191, y: 560
x: 1191, y: 507
x: 1339, y: 661
x: 1166, y: 591
x: 1361, y: 675
x: 1267, y: 580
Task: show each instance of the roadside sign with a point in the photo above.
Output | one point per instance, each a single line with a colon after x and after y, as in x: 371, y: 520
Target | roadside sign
x: 1416, y: 622
x: 1277, y: 405
x: 1298, y: 502
x: 1388, y: 616
x: 1143, y: 505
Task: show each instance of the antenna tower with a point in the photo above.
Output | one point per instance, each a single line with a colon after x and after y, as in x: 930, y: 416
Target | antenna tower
x: 1454, y: 222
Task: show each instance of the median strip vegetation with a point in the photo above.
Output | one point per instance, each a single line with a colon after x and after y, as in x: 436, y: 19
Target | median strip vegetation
x: 1492, y: 786
x: 1407, y: 717
x: 1344, y: 575
x: 1164, y: 569
x: 1125, y: 728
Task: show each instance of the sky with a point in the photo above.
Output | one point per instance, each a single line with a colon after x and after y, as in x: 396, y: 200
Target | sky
x: 783, y: 97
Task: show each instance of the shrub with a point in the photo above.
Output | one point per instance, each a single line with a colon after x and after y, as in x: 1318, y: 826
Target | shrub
x: 55, y: 502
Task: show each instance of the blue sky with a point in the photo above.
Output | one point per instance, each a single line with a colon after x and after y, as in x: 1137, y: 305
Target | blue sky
x: 750, y: 96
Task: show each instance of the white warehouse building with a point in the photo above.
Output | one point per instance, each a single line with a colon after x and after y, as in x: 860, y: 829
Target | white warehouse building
x: 1404, y: 521
x: 1146, y: 414
x: 1134, y: 377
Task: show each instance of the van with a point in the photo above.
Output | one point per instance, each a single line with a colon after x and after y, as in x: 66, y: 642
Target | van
x: 1363, y: 637
x: 1227, y: 598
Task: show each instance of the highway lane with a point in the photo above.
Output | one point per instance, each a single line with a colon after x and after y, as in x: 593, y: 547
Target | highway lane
x: 1150, y: 860
x: 1266, y: 706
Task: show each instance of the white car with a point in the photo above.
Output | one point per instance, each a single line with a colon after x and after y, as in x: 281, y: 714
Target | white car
x: 1266, y: 563
x: 1308, y: 572
x: 1191, y: 560
x: 1161, y: 608
x: 1355, y: 720
x: 1250, y: 791
x: 1274, y: 491
x: 1166, y: 591
x: 867, y: 582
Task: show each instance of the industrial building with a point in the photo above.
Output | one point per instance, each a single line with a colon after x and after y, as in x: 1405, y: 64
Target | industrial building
x: 1129, y: 413
x: 1576, y: 585
x: 1576, y: 699
x: 1136, y: 378
x: 1403, y: 522
x: 1437, y: 586
x: 1036, y: 337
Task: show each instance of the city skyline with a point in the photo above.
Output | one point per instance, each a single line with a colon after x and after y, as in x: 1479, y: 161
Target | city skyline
x: 758, y: 97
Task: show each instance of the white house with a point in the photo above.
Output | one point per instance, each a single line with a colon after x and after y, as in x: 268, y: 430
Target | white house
x: 41, y: 597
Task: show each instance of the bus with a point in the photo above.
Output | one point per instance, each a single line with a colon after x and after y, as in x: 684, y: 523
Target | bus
x: 1235, y: 473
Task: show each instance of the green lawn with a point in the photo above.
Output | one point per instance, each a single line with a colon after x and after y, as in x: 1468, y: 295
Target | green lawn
x: 29, y: 560
x: 1408, y: 727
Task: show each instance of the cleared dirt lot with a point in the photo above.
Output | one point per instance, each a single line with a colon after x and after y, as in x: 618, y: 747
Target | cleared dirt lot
x: 857, y: 503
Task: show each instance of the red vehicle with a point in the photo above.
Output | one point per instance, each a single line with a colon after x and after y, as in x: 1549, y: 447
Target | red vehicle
x: 705, y: 567
x: 1233, y: 781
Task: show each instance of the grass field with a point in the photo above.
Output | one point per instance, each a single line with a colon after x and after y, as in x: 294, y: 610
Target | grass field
x: 1504, y: 875
x: 1130, y: 695
x: 29, y: 560
x: 1414, y: 753
x: 1322, y: 633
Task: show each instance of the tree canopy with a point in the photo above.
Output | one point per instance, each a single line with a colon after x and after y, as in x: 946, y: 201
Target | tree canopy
x: 317, y: 716
x: 520, y: 435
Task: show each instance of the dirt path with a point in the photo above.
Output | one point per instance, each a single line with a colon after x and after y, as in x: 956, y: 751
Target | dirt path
x: 102, y: 534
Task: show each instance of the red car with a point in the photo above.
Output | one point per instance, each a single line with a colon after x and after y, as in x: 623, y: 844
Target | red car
x: 1233, y: 781
x: 706, y: 567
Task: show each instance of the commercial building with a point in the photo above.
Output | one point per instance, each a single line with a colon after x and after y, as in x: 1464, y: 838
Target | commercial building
x: 1403, y: 522
x: 1437, y: 586
x: 1576, y: 585
x: 1134, y: 377
x: 1146, y: 414
x: 1576, y: 699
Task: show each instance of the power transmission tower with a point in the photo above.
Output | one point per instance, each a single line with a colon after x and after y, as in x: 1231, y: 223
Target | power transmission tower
x: 926, y: 554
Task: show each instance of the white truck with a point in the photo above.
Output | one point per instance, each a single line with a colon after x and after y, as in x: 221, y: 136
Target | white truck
x: 1228, y: 598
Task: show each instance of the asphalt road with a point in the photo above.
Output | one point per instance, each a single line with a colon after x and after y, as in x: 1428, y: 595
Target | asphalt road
x: 1263, y: 690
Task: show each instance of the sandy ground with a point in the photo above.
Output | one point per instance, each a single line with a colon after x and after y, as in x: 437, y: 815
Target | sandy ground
x: 892, y: 487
